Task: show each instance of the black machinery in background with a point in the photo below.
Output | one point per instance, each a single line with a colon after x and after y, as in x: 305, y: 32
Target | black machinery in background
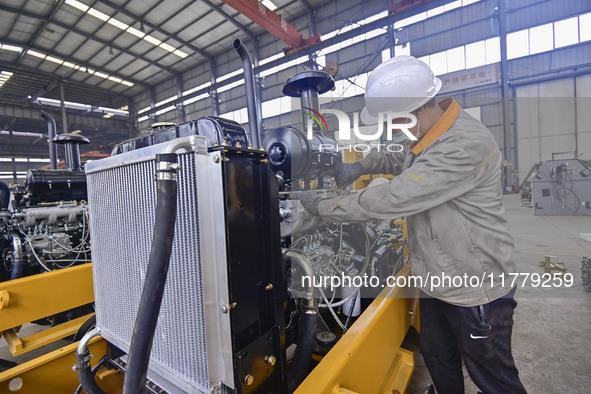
x: 234, y: 300
x: 44, y: 224
x: 562, y: 187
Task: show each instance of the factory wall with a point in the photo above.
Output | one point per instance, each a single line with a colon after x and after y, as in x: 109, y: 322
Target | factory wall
x: 430, y: 36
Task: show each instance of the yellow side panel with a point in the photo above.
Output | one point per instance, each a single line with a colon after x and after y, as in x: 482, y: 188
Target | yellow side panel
x: 38, y: 296
x: 52, y: 372
x: 368, y: 358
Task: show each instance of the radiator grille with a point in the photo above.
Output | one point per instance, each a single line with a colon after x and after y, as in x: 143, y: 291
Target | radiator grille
x: 122, y: 201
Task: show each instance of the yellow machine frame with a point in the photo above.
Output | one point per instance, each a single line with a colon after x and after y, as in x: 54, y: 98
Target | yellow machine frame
x: 34, y: 297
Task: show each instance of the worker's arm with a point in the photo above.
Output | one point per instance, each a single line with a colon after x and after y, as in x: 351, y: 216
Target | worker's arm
x: 439, y: 175
x: 383, y: 162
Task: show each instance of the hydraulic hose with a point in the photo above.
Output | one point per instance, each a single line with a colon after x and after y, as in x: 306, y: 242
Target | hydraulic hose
x: 18, y: 262
x: 300, y: 366
x: 85, y: 375
x: 51, y: 132
x: 149, y: 308
x: 302, y: 360
x: 251, y: 98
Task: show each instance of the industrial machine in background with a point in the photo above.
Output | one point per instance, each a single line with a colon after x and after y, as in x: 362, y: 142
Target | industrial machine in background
x: 44, y: 224
x: 562, y: 187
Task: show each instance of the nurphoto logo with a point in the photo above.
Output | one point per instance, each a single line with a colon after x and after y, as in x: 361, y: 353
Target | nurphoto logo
x: 392, y: 123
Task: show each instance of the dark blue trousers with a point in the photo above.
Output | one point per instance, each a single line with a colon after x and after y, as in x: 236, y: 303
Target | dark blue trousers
x: 479, y: 335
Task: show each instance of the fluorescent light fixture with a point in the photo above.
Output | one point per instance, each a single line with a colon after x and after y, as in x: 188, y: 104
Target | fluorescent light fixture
x: 124, y: 108
x: 168, y: 100
x: 76, y: 4
x: 115, y: 79
x: 101, y: 75
x: 36, y: 54
x: 76, y: 131
x: 141, y: 111
x: 12, y: 48
x: 117, y: 24
x: 180, y: 53
x: 97, y: 14
x: 135, y: 32
x: 127, y: 83
x: 107, y: 116
x: 54, y: 59
x: 143, y: 118
x: 88, y: 70
x: 68, y: 64
x: 152, y: 40
x: 269, y: 4
x: 167, y: 47
x: 6, y: 73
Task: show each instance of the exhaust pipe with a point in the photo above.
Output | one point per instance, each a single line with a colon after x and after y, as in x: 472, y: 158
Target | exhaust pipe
x: 51, y: 135
x: 251, y: 99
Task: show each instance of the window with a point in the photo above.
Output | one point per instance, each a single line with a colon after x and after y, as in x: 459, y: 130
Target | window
x: 475, y: 54
x: 566, y: 32
x: 438, y: 63
x: 541, y: 38
x: 493, y: 50
x: 585, y: 27
x: 518, y: 44
x: 456, y: 59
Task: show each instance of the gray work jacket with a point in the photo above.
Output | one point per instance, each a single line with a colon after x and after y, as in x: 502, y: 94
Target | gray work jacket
x: 449, y: 190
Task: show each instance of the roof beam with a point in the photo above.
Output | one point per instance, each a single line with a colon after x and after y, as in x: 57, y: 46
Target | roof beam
x: 156, y: 28
x: 56, y: 6
x: 32, y: 71
x: 48, y: 88
x: 229, y: 18
x: 86, y: 35
x: 54, y: 54
x: 272, y: 22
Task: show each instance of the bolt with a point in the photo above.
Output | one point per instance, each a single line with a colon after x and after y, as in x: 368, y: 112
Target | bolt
x: 216, y: 159
x: 271, y: 360
x: 411, y: 313
x: 269, y: 286
x: 248, y: 379
x: 224, y: 309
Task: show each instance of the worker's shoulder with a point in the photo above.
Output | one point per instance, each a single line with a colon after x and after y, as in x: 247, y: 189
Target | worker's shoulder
x: 473, y: 137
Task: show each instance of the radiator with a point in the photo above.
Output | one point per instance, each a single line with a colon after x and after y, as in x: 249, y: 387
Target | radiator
x: 192, y: 349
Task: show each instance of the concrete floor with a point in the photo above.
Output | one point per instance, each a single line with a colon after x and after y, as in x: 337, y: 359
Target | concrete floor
x: 552, y: 331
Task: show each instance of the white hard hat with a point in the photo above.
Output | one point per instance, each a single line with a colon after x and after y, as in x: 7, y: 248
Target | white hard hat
x: 400, y: 84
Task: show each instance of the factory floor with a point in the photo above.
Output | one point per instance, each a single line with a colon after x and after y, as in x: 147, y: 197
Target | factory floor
x: 552, y: 327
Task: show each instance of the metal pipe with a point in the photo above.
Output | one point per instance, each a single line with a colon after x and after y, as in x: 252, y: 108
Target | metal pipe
x: 251, y: 99
x: 300, y: 261
x: 50, y: 135
x: 63, y: 106
x: 72, y: 152
x: 82, y: 366
x: 18, y: 263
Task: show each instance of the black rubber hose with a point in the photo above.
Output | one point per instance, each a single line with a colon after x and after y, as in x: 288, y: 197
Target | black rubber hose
x: 302, y: 360
x: 251, y: 98
x: 85, y: 374
x: 4, y: 195
x: 51, y: 133
x: 149, y: 308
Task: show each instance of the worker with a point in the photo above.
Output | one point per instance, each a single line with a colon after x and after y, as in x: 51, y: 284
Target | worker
x: 449, y: 190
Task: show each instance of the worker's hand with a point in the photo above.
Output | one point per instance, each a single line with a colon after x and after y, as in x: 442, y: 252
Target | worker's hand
x: 348, y: 173
x: 309, y: 200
